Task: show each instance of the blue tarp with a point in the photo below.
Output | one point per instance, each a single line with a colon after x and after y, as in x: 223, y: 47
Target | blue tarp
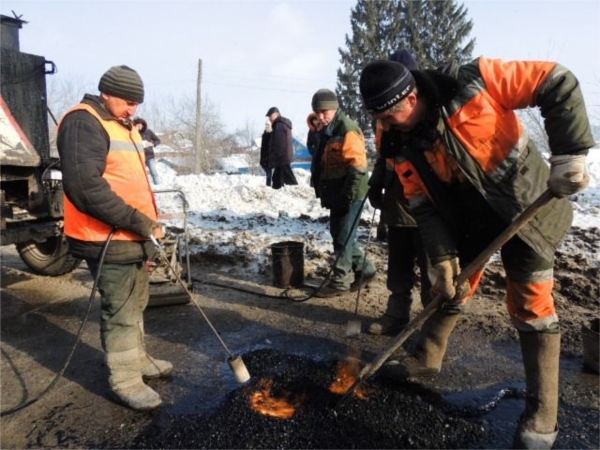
x: 302, y: 156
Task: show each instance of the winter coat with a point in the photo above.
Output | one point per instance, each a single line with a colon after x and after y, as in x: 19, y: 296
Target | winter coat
x: 281, y: 149
x: 472, y: 135
x: 148, y: 136
x: 342, y: 161
x: 383, y: 177
x: 265, y: 144
x: 105, y: 184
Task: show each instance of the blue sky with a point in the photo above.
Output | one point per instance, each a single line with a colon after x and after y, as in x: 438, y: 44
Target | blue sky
x: 262, y: 53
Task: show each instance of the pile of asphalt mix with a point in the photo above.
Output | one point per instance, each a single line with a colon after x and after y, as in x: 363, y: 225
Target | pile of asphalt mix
x: 396, y: 416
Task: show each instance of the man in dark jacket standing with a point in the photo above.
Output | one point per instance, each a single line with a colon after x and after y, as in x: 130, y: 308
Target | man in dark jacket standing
x: 341, y: 183
x: 468, y: 169
x: 151, y: 140
x: 107, y: 191
x: 281, y: 149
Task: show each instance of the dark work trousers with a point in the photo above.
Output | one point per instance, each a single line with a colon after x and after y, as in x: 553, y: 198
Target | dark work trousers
x: 269, y: 174
x: 124, y: 291
x: 351, y: 258
x: 283, y: 175
x: 405, y: 251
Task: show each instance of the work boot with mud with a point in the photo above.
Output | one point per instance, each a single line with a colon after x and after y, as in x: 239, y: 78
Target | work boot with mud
x: 431, y: 348
x: 396, y: 317
x: 126, y: 382
x: 538, y: 425
x: 150, y: 367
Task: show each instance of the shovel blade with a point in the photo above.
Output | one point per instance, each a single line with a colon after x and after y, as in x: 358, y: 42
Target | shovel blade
x: 353, y: 328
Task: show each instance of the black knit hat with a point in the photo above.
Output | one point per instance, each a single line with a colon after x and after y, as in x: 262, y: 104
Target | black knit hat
x: 272, y: 110
x: 383, y: 84
x: 324, y: 100
x: 405, y: 58
x: 122, y: 82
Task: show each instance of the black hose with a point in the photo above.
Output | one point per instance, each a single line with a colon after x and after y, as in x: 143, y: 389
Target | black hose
x: 27, y: 403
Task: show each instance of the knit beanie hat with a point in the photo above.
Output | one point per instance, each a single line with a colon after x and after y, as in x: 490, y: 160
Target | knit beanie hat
x: 383, y: 84
x: 324, y: 100
x: 405, y: 58
x: 122, y: 82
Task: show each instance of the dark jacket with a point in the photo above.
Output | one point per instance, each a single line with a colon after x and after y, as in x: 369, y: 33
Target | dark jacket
x: 148, y: 136
x: 395, y: 205
x: 265, y: 144
x: 342, y: 161
x: 83, y: 147
x: 281, y: 149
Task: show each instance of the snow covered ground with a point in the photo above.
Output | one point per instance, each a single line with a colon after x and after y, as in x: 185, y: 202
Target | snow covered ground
x: 239, y: 216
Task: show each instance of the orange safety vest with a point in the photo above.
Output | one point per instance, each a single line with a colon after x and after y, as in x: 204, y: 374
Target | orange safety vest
x: 125, y: 173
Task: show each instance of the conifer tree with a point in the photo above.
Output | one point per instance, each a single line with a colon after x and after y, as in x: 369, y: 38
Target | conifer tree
x: 432, y: 30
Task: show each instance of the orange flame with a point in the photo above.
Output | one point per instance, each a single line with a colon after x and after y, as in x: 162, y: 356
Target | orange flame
x: 282, y: 406
x: 346, y: 375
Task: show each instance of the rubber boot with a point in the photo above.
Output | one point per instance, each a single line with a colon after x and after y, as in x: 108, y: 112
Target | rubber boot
x: 430, y: 351
x: 151, y: 368
x: 396, y: 317
x: 538, y: 425
x: 126, y: 381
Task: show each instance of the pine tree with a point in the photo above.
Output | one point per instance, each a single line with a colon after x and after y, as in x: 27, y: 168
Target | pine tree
x: 432, y: 30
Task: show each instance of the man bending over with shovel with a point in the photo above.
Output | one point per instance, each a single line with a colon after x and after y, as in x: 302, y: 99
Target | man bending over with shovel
x: 468, y: 168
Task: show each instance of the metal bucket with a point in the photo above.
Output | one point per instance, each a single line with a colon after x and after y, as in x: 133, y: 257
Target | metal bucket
x: 288, y: 264
x: 591, y: 345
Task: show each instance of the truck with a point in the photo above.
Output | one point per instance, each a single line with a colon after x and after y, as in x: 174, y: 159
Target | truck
x: 31, y: 193
x: 31, y: 189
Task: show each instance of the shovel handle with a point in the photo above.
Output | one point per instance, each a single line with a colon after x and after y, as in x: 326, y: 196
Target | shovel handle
x: 464, y: 275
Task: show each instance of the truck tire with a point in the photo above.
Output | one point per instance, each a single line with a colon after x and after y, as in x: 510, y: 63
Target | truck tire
x: 50, y: 258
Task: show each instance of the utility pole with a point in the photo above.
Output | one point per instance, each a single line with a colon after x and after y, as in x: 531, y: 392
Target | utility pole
x: 198, y: 161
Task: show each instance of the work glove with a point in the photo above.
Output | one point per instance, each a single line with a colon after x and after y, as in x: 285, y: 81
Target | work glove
x: 444, y: 274
x: 567, y: 175
x: 376, y: 197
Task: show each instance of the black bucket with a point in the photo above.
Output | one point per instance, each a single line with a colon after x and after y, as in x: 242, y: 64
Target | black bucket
x: 288, y: 264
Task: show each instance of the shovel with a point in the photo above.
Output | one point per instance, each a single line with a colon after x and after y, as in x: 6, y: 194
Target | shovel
x: 478, y: 263
x: 354, y: 326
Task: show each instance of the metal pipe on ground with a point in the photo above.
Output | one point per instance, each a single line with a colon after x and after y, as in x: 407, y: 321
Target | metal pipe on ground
x: 477, y: 264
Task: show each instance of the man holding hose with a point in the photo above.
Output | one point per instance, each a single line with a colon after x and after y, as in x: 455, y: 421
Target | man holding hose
x: 106, y: 189
x: 468, y: 168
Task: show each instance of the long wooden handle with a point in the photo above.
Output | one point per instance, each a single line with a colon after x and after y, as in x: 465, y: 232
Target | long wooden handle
x: 475, y: 265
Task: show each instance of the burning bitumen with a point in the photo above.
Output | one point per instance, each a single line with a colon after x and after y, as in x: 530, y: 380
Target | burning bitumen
x: 293, y: 402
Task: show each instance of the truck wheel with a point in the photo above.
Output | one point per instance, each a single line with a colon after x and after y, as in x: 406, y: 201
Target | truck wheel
x: 49, y: 258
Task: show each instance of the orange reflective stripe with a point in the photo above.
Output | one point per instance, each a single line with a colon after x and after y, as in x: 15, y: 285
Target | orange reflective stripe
x: 527, y: 302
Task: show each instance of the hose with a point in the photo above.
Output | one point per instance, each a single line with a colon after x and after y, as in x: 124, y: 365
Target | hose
x: 27, y: 403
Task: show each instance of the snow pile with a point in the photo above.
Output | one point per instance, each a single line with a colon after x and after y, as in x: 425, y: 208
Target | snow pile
x: 239, y: 217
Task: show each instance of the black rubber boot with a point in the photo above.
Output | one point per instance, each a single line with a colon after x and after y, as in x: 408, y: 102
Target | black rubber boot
x: 538, y: 425
x: 430, y: 351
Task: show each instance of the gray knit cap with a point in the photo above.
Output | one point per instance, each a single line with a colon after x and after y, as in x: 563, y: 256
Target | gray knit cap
x: 122, y: 82
x: 324, y: 100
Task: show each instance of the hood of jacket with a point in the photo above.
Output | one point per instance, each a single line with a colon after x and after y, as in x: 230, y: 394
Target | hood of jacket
x: 284, y: 120
x: 312, y: 116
